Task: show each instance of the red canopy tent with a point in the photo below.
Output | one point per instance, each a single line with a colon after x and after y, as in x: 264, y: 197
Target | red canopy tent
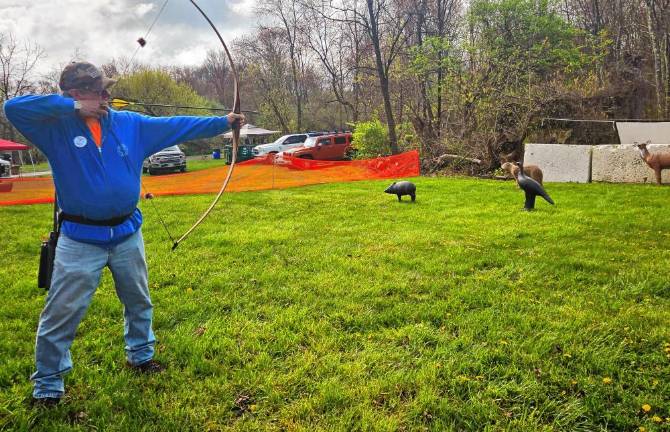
x: 12, y: 146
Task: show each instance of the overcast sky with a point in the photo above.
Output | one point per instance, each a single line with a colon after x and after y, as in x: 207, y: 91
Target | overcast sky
x: 102, y: 29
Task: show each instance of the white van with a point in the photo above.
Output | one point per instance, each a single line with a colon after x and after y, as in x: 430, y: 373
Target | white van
x: 283, y: 143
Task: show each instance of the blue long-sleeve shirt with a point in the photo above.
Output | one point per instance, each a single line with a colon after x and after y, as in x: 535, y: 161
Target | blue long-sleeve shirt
x: 100, y: 183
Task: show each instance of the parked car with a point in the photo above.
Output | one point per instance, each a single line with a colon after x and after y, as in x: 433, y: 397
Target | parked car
x: 283, y: 143
x: 326, y: 147
x: 166, y: 160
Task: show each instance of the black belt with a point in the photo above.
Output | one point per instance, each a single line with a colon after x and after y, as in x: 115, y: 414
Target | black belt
x: 86, y: 221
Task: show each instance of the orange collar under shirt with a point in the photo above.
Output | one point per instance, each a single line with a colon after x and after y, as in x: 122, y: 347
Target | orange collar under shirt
x: 94, y: 126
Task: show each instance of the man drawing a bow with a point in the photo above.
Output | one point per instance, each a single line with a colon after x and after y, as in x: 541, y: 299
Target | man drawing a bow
x: 96, y: 158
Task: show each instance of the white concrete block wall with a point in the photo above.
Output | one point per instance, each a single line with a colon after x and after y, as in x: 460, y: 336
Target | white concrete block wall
x: 654, y: 132
x: 623, y: 164
x: 559, y: 162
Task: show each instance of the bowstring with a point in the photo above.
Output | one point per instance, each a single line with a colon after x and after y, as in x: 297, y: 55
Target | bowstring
x: 119, y: 142
x: 235, y: 109
x: 135, y: 172
x: 139, y: 46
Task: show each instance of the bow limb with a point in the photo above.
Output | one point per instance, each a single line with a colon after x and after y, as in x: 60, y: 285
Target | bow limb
x: 234, y: 126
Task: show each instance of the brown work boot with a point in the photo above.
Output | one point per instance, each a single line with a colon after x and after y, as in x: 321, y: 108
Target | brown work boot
x: 47, y: 402
x: 148, y: 367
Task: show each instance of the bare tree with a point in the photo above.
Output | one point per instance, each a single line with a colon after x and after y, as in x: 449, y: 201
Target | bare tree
x: 216, y: 73
x: 17, y: 66
x: 17, y: 70
x: 435, y: 24
x: 288, y: 17
x: 384, y: 25
x: 210, y: 79
x: 264, y: 63
x: 656, y: 14
x: 334, y: 45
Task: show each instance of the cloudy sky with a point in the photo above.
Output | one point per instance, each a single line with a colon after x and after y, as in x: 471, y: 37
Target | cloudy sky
x: 103, y: 29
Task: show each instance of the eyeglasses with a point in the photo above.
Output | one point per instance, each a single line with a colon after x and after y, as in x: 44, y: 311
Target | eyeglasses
x: 104, y: 94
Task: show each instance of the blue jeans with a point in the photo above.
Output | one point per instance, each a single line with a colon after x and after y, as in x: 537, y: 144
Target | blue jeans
x: 76, y: 275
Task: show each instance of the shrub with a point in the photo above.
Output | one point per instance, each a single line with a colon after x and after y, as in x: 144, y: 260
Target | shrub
x: 370, y: 139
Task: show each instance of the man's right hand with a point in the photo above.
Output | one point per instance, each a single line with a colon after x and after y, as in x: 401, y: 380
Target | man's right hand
x: 91, y: 108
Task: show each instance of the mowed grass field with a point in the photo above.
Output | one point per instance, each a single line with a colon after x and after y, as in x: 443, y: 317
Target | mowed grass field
x: 336, y: 308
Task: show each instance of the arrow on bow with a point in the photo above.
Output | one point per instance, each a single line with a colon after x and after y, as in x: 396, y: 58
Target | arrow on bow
x: 120, y: 103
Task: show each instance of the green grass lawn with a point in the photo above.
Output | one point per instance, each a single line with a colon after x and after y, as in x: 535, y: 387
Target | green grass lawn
x: 200, y: 164
x: 42, y: 166
x: 335, y: 307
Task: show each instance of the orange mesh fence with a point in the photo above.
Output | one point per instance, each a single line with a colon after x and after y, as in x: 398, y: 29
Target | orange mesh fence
x: 268, y: 172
